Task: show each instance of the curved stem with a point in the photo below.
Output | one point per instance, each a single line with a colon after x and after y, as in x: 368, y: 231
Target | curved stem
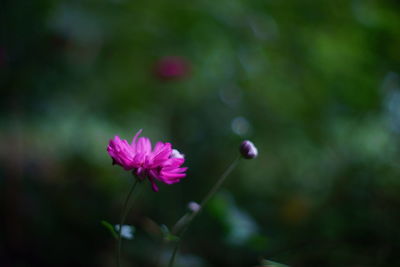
x: 123, y: 217
x: 210, y: 194
x: 215, y: 188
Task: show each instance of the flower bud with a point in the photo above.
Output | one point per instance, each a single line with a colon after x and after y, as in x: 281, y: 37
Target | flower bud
x: 248, y: 150
x: 193, y: 206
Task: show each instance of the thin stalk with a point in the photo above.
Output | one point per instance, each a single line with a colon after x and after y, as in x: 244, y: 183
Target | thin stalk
x: 123, y: 217
x: 210, y: 194
x: 215, y: 188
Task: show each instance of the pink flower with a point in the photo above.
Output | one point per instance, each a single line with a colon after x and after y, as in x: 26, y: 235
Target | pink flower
x: 162, y: 162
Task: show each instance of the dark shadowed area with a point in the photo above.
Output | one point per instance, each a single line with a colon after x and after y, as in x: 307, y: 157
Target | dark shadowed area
x: 315, y: 85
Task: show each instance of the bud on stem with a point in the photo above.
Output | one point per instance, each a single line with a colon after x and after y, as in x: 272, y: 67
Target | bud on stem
x: 248, y: 150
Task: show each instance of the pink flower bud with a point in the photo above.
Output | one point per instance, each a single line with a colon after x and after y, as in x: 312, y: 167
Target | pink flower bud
x: 248, y: 150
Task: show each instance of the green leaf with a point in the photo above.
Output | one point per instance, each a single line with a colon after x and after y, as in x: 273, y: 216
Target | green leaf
x: 172, y: 238
x: 110, y: 227
x: 164, y: 229
x: 167, y: 235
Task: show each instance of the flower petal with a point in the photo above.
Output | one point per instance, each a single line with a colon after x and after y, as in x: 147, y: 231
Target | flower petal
x: 163, y: 154
x: 135, y: 137
x: 143, y: 146
x: 120, y: 152
x: 153, y: 184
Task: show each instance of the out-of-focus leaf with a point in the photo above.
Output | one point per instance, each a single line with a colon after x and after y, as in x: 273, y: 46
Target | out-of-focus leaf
x: 167, y: 235
x: 240, y: 225
x: 268, y: 263
x: 258, y: 242
x: 110, y: 227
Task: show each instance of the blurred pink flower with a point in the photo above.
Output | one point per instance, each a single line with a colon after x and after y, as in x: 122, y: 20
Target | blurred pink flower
x: 162, y: 163
x: 172, y: 67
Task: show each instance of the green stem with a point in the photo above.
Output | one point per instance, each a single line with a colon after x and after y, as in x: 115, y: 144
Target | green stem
x: 215, y: 188
x: 210, y: 194
x: 123, y: 217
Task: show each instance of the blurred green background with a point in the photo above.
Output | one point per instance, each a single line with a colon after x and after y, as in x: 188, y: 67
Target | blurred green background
x: 314, y: 84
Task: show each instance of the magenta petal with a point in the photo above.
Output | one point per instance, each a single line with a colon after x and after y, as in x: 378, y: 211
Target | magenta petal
x: 172, y: 181
x: 164, y: 154
x: 135, y: 137
x: 173, y: 162
x: 158, y: 148
x: 153, y: 184
x: 168, y: 175
x: 119, y: 150
x: 143, y: 146
x: 174, y: 170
